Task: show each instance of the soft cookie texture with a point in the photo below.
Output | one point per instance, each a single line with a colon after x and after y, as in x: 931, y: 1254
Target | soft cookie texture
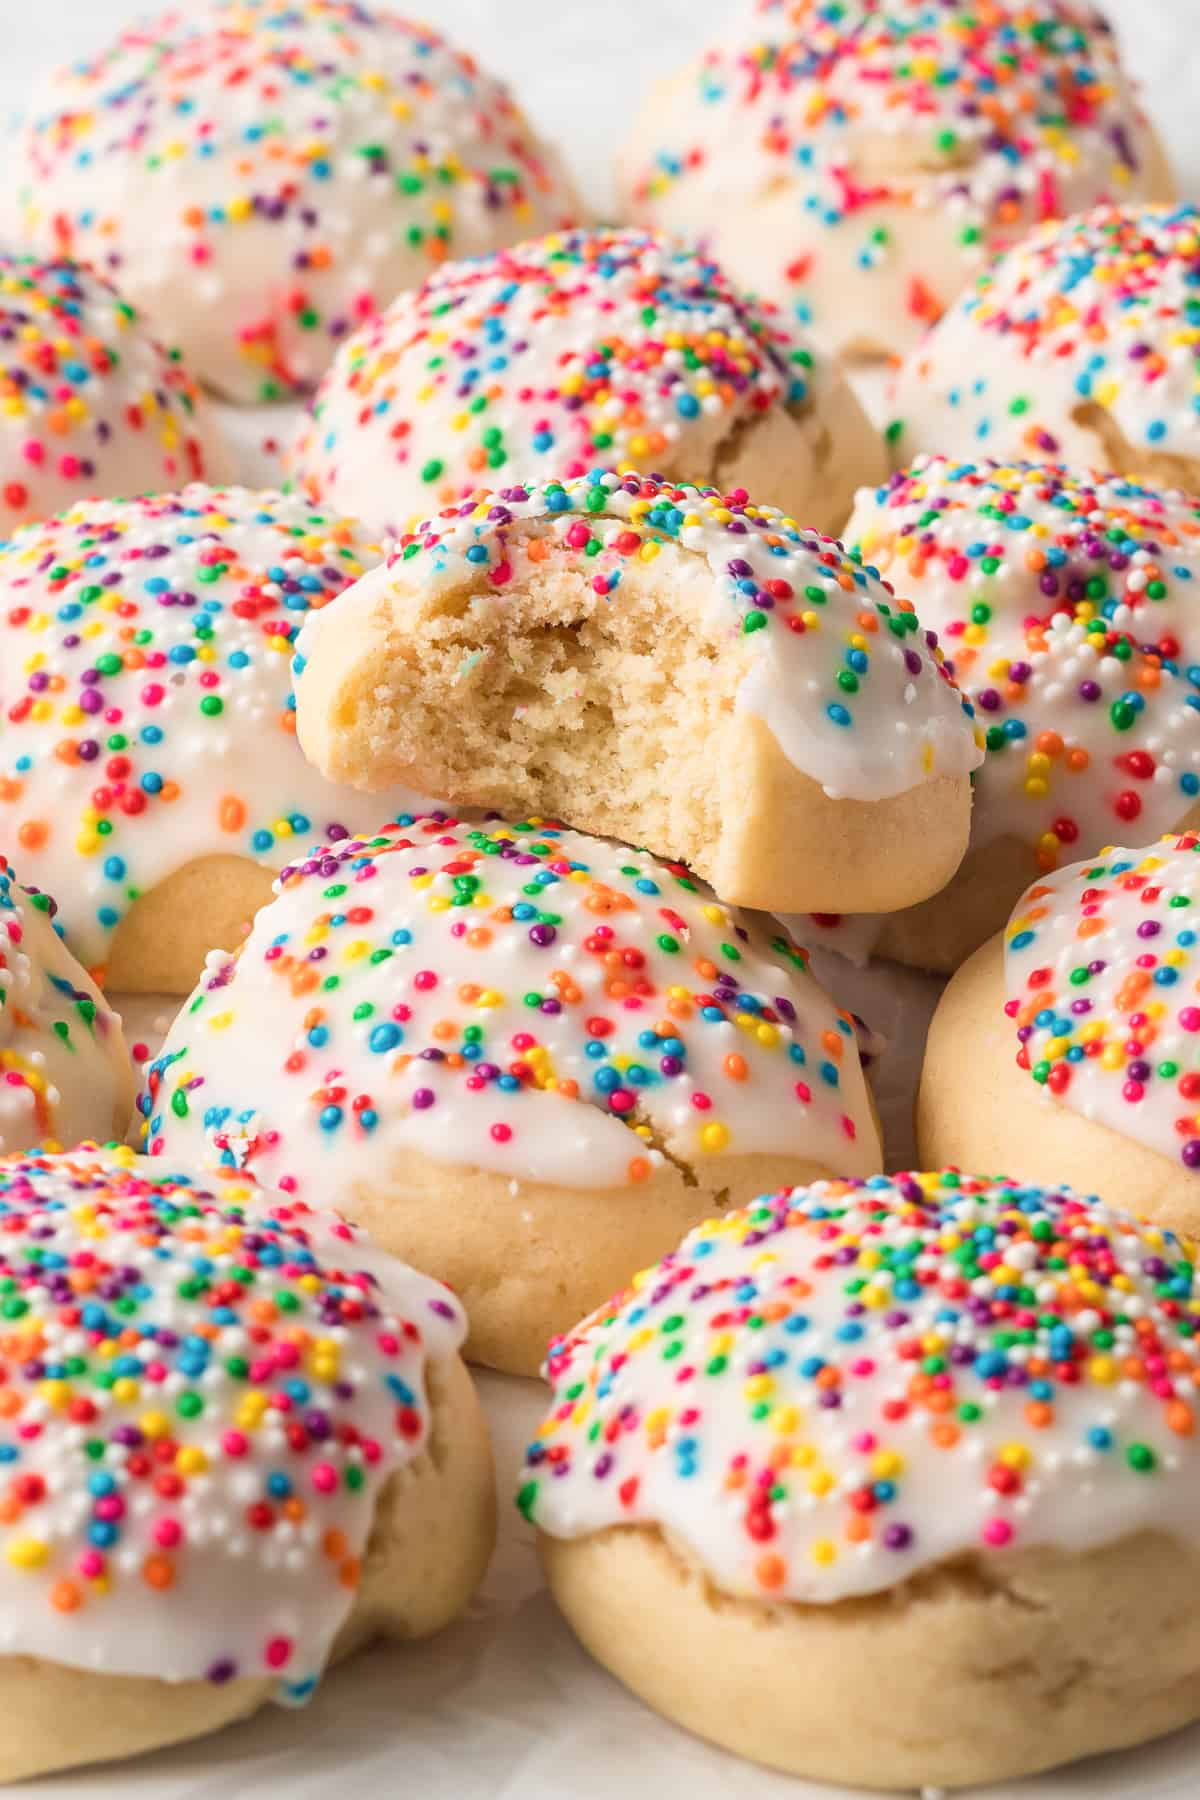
x: 1067, y: 608
x: 928, y: 1440
x: 65, y: 1073
x: 662, y: 664
x: 1081, y: 346
x: 261, y: 177
x: 91, y: 403
x: 859, y: 163
x: 582, y: 347
x: 1069, y: 1044
x: 526, y: 1059
x: 257, y: 1450
x: 149, y: 773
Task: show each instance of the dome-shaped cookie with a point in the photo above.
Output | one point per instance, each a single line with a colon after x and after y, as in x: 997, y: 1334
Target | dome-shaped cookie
x: 858, y: 163
x: 663, y: 664
x: 527, y: 1059
x: 259, y: 178
x: 584, y: 347
x: 1069, y: 1042
x: 150, y: 777
x: 89, y: 402
x: 930, y: 1440
x: 65, y: 1073
x: 238, y: 1443
x: 1081, y: 346
x: 1068, y: 608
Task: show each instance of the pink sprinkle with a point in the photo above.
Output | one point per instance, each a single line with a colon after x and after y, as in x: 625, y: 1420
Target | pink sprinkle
x: 168, y: 1533
x: 235, y: 1443
x: 324, y: 1478
x: 278, y: 1651
x: 998, y: 1533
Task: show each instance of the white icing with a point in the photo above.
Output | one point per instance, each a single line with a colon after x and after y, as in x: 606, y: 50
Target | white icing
x: 825, y: 1393
x: 398, y: 976
x: 187, y: 1566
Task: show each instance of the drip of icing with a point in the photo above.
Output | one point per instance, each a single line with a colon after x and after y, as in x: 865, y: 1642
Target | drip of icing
x: 1100, y: 966
x: 590, y: 345
x: 221, y: 1386
x: 1099, y: 314
x: 824, y: 1393
x: 64, y: 1070
x: 1066, y: 606
x: 840, y: 671
x: 517, y: 998
x: 146, y: 714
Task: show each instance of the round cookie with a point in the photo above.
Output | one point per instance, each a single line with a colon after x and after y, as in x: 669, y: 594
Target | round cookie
x: 1068, y: 608
x: 149, y: 773
x: 527, y: 1060
x: 65, y: 1073
x: 1081, y: 346
x: 260, y: 178
x: 662, y: 664
x: 583, y: 347
x: 90, y: 403
x: 928, y: 1441
x: 240, y: 1443
x: 1068, y: 1043
x: 859, y: 163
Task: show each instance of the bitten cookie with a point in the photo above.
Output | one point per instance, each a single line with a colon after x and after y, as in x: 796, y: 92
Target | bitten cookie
x: 662, y: 664
x: 240, y: 1443
x: 260, y: 178
x: 89, y: 402
x: 584, y: 347
x: 65, y: 1073
x: 527, y: 1059
x: 1069, y: 1043
x: 890, y: 1483
x: 1069, y: 611
x: 859, y: 163
x: 149, y: 773
x: 1081, y: 346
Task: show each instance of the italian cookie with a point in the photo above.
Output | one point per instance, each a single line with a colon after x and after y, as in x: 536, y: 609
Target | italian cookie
x: 260, y: 178
x: 1081, y: 346
x: 1068, y: 1042
x: 662, y: 664
x: 240, y: 1444
x: 65, y: 1073
x: 1067, y: 606
x: 90, y: 403
x: 890, y: 1483
x: 149, y: 772
x: 574, y: 349
x: 859, y: 163
x: 527, y: 1060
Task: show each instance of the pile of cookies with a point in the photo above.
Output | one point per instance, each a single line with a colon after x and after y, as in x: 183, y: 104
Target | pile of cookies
x: 470, y: 797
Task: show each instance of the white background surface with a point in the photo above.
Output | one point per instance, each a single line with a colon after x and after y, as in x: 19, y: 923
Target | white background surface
x: 505, y: 1706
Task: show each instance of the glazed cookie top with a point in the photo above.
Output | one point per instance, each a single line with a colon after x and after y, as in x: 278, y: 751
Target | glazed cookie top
x: 516, y: 998
x: 821, y: 1394
x: 1000, y: 115
x: 1067, y: 607
x: 205, y: 1392
x: 287, y: 164
x: 1092, y: 322
x: 65, y: 1070
x: 1101, y: 967
x: 840, y: 671
x: 89, y: 402
x: 584, y: 347
x: 146, y: 714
